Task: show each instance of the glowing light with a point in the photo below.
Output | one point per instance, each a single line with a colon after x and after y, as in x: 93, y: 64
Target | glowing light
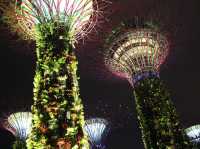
x: 194, y: 133
x: 75, y: 13
x: 19, y: 124
x: 96, y: 130
x: 137, y: 51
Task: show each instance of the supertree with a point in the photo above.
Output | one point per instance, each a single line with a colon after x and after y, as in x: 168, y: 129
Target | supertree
x: 19, y: 124
x: 55, y: 25
x: 193, y: 133
x: 136, y: 51
x: 97, y: 129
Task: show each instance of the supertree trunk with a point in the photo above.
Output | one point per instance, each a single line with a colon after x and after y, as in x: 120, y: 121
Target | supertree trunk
x: 157, y: 116
x: 19, y: 144
x: 57, y: 110
x: 136, y: 52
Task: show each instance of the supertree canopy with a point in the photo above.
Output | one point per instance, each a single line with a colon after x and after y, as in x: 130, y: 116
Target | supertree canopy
x: 77, y: 15
x: 193, y: 133
x: 97, y: 129
x: 137, y: 52
x: 55, y: 25
x: 19, y: 124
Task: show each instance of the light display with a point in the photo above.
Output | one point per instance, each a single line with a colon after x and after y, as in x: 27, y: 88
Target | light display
x: 19, y: 124
x: 55, y: 25
x: 137, y: 54
x: 79, y: 15
x: 193, y: 133
x: 97, y: 129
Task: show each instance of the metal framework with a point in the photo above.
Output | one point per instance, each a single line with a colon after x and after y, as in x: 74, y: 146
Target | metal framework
x: 137, y: 53
x: 193, y: 133
x: 79, y: 15
x: 19, y: 124
x: 96, y: 129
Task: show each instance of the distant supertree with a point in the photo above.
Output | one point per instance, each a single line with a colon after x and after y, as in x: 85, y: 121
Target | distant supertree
x: 97, y: 129
x: 137, y: 52
x: 55, y: 25
x: 19, y: 124
x: 193, y: 133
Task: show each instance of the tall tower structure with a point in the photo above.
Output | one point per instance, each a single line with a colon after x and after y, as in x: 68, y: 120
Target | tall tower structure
x: 55, y: 25
x: 137, y: 54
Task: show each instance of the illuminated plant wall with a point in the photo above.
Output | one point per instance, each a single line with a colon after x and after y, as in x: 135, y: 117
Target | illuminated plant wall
x: 57, y: 110
x: 137, y: 53
x: 55, y: 25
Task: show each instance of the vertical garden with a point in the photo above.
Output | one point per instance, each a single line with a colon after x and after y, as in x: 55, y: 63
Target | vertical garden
x: 55, y: 26
x: 157, y: 116
x: 57, y: 110
x: 133, y: 51
x: 136, y: 52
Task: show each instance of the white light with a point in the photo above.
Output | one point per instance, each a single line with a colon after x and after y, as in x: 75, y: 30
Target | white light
x: 194, y: 133
x: 151, y: 41
x: 132, y: 41
x: 143, y: 39
x: 20, y: 124
x: 116, y: 55
x: 96, y: 130
x: 76, y: 12
x: 149, y: 51
x: 119, y: 50
x: 141, y: 47
x: 126, y: 44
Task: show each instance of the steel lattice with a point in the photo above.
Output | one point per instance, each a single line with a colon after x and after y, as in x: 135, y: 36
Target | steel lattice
x: 97, y: 130
x: 79, y: 15
x: 136, y: 52
x: 193, y: 133
x: 19, y: 124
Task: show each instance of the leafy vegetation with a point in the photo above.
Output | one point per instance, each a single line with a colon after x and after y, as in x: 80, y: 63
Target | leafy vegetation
x: 57, y: 111
x: 157, y: 116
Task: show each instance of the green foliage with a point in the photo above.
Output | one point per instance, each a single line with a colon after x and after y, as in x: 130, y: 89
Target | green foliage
x: 19, y: 144
x: 131, y: 24
x: 196, y: 146
x: 157, y: 116
x: 57, y: 111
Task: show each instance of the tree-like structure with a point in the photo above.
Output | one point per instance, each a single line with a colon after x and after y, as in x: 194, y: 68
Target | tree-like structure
x: 193, y: 133
x: 97, y: 129
x: 19, y: 124
x: 55, y: 25
x: 137, y: 52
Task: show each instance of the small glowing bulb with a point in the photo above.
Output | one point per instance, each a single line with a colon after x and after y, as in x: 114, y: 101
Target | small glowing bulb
x: 60, y: 37
x: 116, y: 55
x: 143, y: 40
x: 151, y: 41
x: 77, y: 12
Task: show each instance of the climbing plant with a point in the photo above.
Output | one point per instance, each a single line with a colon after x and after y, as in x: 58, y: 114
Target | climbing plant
x: 157, y: 116
x: 57, y: 110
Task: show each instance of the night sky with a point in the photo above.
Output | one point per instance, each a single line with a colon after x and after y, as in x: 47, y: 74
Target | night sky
x: 104, y: 94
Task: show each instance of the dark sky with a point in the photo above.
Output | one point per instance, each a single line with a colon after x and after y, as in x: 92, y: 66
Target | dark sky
x: 105, y: 95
